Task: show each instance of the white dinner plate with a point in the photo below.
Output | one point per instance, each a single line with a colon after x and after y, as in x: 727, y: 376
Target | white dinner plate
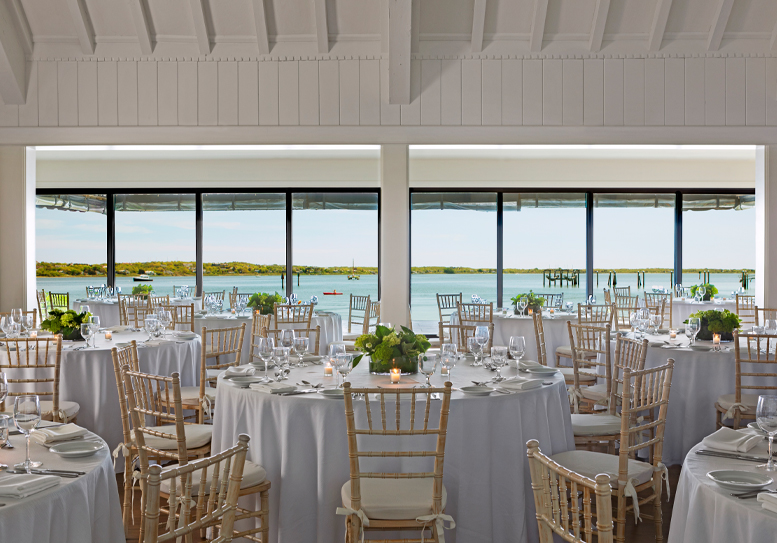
x: 477, y: 391
x: 75, y: 449
x: 540, y: 370
x: 335, y: 393
x: 183, y: 334
x: 243, y: 381
x: 739, y: 480
x: 122, y: 345
x: 702, y: 348
x: 754, y: 426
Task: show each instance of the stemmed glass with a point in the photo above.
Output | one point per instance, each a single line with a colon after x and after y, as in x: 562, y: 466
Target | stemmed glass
x: 94, y: 325
x: 517, y: 347
x: 16, y: 315
x: 427, y: 363
x: 498, y: 359
x: 334, y: 350
x: 701, y: 290
x: 150, y: 324
x: 264, y: 348
x: 26, y: 323
x: 287, y: 338
x: 477, y: 351
x: 448, y: 362
x: 84, y: 309
x: 301, y: 345
x: 3, y: 387
x: 770, y: 326
x: 523, y: 301
x: 766, y: 417
x: 281, y: 356
x: 450, y: 349
x: 694, y: 325
x: 570, y: 306
x: 344, y: 365
x: 165, y: 320
x: 26, y: 414
x: 481, y: 335
x: 655, y: 323
x: 86, y: 332
x: 5, y: 430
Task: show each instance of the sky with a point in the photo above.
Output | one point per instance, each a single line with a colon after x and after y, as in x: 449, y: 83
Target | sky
x: 542, y: 238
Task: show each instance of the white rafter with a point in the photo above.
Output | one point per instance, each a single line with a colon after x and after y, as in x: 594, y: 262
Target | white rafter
x: 597, y: 29
x: 773, y: 43
x: 538, y: 25
x: 478, y: 22
x: 322, y: 29
x: 659, y: 25
x: 13, y: 65
x: 83, y: 25
x: 400, y: 24
x: 200, y: 26
x: 23, y: 26
x: 719, y: 22
x: 262, y: 41
x: 142, y: 20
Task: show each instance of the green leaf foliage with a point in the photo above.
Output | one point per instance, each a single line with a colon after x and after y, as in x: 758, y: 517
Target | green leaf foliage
x: 264, y: 302
x: 718, y: 322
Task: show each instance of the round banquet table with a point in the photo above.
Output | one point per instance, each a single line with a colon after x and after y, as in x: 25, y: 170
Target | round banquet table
x: 87, y: 376
x: 683, y: 307
x: 331, y: 328
x: 703, y: 512
x: 108, y: 310
x: 80, y: 510
x: 301, y: 442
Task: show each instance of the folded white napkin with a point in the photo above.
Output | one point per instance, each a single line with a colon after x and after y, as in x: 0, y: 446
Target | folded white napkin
x: 525, y: 364
x: 726, y: 439
x: 239, y: 371
x: 118, y: 328
x: 768, y: 501
x: 520, y: 384
x: 271, y: 388
x: 56, y: 434
x: 21, y: 486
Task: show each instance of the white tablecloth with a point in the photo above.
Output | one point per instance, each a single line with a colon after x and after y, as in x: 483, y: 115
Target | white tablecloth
x: 331, y: 329
x: 705, y: 513
x: 108, y: 311
x: 555, y: 328
x: 87, y: 377
x: 301, y: 442
x: 81, y: 510
x: 682, y: 309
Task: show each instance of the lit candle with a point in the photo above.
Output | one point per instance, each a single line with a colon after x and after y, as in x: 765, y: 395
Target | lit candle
x: 530, y: 311
x: 716, y: 339
x: 672, y: 334
x: 552, y: 311
x: 33, y: 334
x: 328, y: 372
x: 108, y: 335
x: 443, y: 370
x: 395, y: 373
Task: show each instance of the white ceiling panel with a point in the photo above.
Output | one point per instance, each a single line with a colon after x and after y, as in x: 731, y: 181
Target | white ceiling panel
x: 49, y: 18
x: 630, y: 17
x: 565, y: 17
x: 752, y: 16
x: 171, y: 18
x: 509, y: 16
x: 353, y: 17
x: 286, y: 17
x: 110, y: 18
x: 233, y: 18
x: 447, y: 16
x: 691, y: 15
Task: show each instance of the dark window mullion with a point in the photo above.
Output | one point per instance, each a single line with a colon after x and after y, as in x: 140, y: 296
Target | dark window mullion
x: 499, y: 248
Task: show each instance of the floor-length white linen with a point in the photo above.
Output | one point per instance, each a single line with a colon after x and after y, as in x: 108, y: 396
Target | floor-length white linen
x: 108, y: 310
x: 81, y: 510
x: 682, y: 309
x: 705, y: 513
x: 301, y: 442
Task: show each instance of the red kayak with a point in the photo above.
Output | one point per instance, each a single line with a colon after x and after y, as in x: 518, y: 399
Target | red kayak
x: 333, y: 293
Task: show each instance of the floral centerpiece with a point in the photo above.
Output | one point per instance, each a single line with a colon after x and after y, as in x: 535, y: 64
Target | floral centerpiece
x: 389, y: 349
x: 709, y: 291
x: 717, y: 322
x: 264, y: 302
x: 142, y: 290
x: 535, y: 302
x: 67, y: 323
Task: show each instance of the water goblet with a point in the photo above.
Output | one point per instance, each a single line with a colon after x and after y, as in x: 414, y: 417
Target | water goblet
x: 3, y: 387
x: 301, y: 345
x: 150, y: 325
x: 94, y: 325
x: 474, y: 347
x: 26, y: 323
x: 86, y: 332
x: 334, y: 350
x: 287, y: 338
x: 5, y: 430
x: 448, y: 362
x: 693, y: 327
x: 517, y: 347
x: 427, y: 363
x: 344, y: 365
x: 482, y: 335
x: 450, y: 349
x: 570, y: 306
x: 83, y: 308
x: 766, y: 417
x: 264, y: 348
x: 523, y: 302
x: 592, y: 300
x: 770, y: 326
x: 16, y: 315
x: 498, y: 359
x: 165, y: 321
x: 655, y: 323
x: 279, y: 355
x: 700, y: 292
x: 26, y: 415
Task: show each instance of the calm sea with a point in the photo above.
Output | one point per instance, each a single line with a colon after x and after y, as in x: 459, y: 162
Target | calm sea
x: 424, y: 287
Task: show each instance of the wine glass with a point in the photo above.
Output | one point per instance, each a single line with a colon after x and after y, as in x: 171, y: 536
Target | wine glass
x: 701, y: 291
x: 301, y: 345
x: 570, y: 306
x: 26, y: 415
x: 693, y: 327
x: 94, y: 325
x: 770, y: 326
x: 5, y: 430
x: 150, y: 325
x: 450, y: 349
x: 655, y: 323
x: 3, y: 387
x: 5, y: 324
x: 26, y: 323
x: 517, y: 347
x: 498, y: 359
x: 16, y: 315
x: 766, y: 417
x: 427, y: 363
x: 264, y: 348
x: 344, y: 365
x: 448, y: 362
x: 279, y: 355
x: 287, y: 338
x: 84, y: 309
x: 474, y: 347
x: 481, y: 335
x: 165, y: 320
x: 86, y: 332
x: 523, y: 302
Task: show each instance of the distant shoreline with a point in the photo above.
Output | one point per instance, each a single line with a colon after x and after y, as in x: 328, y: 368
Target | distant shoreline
x: 238, y: 269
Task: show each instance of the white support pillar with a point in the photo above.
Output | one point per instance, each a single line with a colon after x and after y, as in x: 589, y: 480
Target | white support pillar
x: 766, y: 226
x: 17, y: 228
x: 394, y: 235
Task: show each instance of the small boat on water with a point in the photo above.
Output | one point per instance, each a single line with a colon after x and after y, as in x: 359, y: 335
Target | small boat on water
x: 353, y: 271
x: 333, y: 293
x: 142, y: 278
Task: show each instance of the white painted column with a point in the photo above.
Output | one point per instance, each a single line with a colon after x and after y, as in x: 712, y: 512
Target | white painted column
x: 394, y: 235
x: 766, y: 226
x: 17, y: 228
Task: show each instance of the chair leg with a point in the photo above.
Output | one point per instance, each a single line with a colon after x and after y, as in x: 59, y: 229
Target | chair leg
x: 657, y: 515
x: 435, y: 533
x: 620, y: 520
x: 126, y: 511
x: 265, y: 498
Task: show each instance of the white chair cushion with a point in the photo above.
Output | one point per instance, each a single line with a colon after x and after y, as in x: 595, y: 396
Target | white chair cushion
x: 394, y: 499
x: 352, y: 336
x: 253, y: 474
x: 569, y: 373
x: 727, y: 400
x: 71, y: 409
x: 585, y: 424
x: 595, y: 392
x: 197, y: 435
x: 192, y: 394
x: 213, y: 373
x: 591, y: 464
x: 564, y: 351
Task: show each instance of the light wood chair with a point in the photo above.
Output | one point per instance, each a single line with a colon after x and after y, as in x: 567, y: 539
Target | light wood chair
x: 160, y: 397
x: 643, y: 392
x: 460, y: 333
x: 183, y: 316
x: 357, y: 313
x: 218, y: 294
x: 133, y: 309
x: 33, y: 314
x: 745, y: 308
x: 313, y: 334
x: 59, y: 301
x: 476, y: 313
x: 259, y: 323
x: 447, y: 304
x: 224, y: 346
x: 594, y: 315
x: 621, y: 291
x: 762, y: 314
x: 371, y: 499
x: 551, y: 299
x: 235, y: 296
x: 587, y: 343
x: 754, y: 370
x: 558, y: 493
x: 43, y: 304
x: 216, y: 507
x: 607, y: 296
x: 156, y: 301
x: 293, y: 314
x: 662, y: 301
x: 43, y: 358
x: 542, y: 356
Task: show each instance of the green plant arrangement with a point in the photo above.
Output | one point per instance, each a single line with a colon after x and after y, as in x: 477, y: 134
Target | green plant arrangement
x: 142, y: 290
x: 264, y: 302
x: 67, y: 323
x: 710, y: 291
x: 717, y: 322
x: 535, y: 302
x: 389, y: 349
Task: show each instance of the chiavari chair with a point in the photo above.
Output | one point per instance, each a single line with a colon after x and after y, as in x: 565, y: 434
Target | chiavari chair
x: 542, y: 356
x: 59, y: 301
x: 566, y: 502
x: 661, y: 302
x: 594, y: 315
x: 43, y: 304
x: 357, y: 314
x: 622, y: 291
x: 293, y: 314
x: 551, y: 300
x: 133, y: 309
x: 33, y: 314
x: 471, y: 313
x: 218, y: 295
x: 588, y: 343
x: 183, y: 316
x: 745, y: 308
x: 156, y: 301
x: 763, y: 314
x: 375, y: 501
x: 235, y: 296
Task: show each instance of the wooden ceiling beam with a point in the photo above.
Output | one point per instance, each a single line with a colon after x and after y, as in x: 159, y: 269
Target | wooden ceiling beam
x: 538, y: 25
x: 13, y: 62
x: 200, y: 20
x: 260, y: 23
x: 719, y: 22
x: 478, y: 24
x: 142, y: 21
x: 660, y: 18
x: 400, y: 39
x: 83, y: 24
x: 597, y: 29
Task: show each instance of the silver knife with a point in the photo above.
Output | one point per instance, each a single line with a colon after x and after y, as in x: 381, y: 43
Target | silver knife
x: 295, y: 392
x: 733, y: 456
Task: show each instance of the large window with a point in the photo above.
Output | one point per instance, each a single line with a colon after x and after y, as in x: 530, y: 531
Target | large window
x: 719, y: 241
x: 156, y: 236
x: 544, y: 245
x: 335, y: 247
x: 71, y: 242
x: 453, y: 248
x: 633, y: 241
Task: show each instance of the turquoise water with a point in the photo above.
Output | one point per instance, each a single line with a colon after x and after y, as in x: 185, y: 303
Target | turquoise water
x: 423, y: 287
